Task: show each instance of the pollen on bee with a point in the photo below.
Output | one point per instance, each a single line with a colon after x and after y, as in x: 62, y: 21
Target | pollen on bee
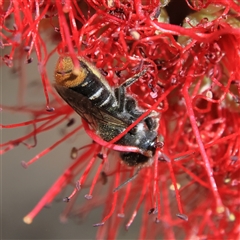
x: 66, y: 74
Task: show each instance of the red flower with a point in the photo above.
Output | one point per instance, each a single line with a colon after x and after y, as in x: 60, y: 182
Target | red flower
x: 192, y: 81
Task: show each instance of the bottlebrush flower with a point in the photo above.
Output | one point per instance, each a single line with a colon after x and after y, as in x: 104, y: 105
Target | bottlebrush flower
x: 191, y: 190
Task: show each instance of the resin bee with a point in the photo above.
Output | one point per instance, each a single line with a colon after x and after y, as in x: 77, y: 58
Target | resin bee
x: 109, y: 111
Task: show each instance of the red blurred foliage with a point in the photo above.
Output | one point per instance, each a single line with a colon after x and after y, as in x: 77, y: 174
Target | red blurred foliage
x: 193, y: 81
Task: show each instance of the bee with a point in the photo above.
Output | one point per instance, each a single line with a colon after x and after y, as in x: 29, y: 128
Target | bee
x: 108, y: 110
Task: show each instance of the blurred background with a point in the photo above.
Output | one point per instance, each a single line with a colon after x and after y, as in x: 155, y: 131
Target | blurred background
x: 21, y: 189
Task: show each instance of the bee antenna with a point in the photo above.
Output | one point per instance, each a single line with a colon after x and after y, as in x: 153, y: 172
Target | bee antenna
x: 129, y: 180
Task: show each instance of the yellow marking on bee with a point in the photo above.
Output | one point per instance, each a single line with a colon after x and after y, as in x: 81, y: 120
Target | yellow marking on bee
x: 67, y: 75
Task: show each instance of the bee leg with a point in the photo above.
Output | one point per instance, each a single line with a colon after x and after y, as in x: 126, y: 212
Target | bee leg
x: 133, y: 79
x: 120, y: 92
x: 151, y: 124
x: 129, y: 180
x: 131, y: 107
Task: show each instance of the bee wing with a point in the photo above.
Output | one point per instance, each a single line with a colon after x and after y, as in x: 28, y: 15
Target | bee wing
x: 84, y: 107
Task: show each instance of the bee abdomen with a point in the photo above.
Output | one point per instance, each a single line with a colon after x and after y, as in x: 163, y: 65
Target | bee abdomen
x: 96, y: 92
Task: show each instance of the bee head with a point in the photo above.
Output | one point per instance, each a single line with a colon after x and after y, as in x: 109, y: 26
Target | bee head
x: 67, y: 75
